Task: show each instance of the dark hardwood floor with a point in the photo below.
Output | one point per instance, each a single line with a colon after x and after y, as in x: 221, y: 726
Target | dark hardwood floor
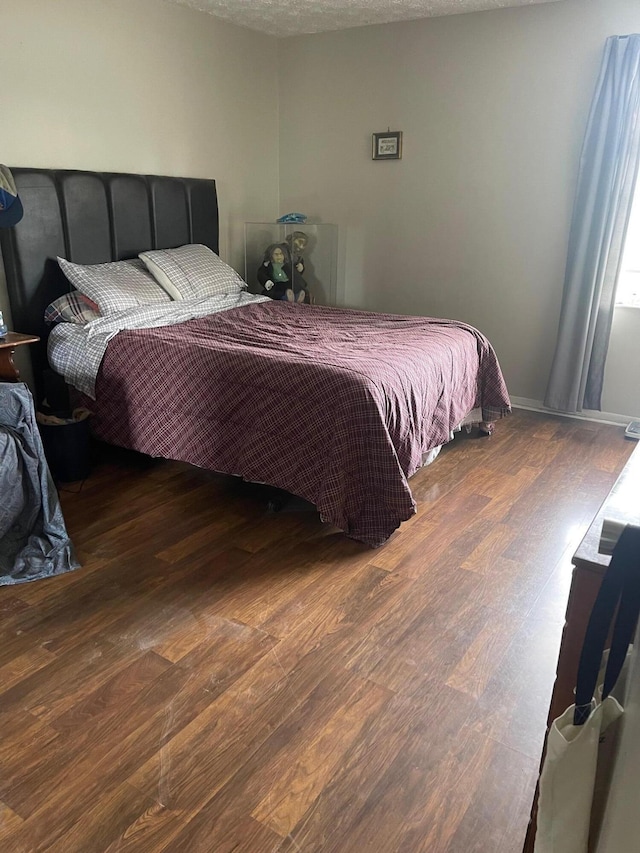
x: 219, y: 678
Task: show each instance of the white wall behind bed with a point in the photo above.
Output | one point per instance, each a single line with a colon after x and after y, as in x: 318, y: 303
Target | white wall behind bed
x: 143, y: 86
x: 473, y: 222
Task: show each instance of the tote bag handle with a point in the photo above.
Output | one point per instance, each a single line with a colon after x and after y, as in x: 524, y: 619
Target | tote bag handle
x: 620, y: 589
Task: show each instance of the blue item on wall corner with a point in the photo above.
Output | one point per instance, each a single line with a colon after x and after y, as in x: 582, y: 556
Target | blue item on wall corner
x: 293, y: 217
x: 11, y: 211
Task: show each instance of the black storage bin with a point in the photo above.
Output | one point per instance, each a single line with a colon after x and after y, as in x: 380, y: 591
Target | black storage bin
x: 68, y: 449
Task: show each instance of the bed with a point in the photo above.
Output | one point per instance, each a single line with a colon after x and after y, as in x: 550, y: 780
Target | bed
x: 339, y: 407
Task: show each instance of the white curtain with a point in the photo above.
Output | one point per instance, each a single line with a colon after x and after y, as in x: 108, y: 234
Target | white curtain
x: 606, y: 182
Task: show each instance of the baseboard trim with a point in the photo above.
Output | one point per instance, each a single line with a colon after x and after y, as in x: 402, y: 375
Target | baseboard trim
x: 587, y: 415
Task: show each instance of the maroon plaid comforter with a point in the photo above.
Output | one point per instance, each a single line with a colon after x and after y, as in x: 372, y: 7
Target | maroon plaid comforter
x: 333, y: 405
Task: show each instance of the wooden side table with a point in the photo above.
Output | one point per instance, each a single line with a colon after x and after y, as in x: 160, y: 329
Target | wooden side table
x: 8, y: 371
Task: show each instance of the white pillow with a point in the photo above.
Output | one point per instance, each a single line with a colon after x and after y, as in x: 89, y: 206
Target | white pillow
x: 115, y: 286
x: 192, y: 272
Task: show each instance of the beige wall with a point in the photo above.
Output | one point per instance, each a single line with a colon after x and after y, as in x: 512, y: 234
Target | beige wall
x: 142, y: 86
x: 473, y: 222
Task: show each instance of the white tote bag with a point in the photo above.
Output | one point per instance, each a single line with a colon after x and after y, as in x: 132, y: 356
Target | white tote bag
x: 620, y: 828
x: 579, y: 742
x: 569, y: 776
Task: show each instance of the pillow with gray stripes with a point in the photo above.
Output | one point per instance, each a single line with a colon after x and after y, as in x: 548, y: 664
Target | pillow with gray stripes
x: 192, y: 272
x: 115, y: 286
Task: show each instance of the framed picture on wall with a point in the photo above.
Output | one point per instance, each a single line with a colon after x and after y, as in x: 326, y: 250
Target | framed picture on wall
x: 387, y: 146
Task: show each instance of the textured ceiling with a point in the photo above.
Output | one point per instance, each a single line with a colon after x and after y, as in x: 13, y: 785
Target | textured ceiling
x: 295, y: 17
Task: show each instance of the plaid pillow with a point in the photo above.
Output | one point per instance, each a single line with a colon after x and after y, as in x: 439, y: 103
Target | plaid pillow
x: 192, y: 272
x: 115, y: 286
x: 71, y: 308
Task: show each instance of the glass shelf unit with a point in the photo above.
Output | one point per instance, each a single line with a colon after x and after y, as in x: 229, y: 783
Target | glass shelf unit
x: 319, y: 256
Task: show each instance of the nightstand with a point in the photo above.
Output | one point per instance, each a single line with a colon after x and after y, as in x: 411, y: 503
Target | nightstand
x: 8, y: 371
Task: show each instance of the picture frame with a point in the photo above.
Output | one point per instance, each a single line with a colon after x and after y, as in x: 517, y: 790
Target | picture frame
x: 387, y: 146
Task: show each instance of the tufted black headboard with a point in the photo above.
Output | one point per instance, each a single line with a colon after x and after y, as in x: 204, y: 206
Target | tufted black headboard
x: 92, y: 218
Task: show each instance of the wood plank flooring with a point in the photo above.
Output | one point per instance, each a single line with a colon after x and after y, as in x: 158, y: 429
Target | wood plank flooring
x: 221, y: 679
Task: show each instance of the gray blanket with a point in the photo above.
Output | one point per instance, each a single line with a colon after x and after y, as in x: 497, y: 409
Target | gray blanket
x: 33, y: 537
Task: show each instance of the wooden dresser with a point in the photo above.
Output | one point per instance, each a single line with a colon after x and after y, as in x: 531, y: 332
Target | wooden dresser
x: 623, y: 505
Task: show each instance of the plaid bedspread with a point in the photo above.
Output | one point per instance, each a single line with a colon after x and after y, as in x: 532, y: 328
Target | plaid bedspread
x: 335, y: 406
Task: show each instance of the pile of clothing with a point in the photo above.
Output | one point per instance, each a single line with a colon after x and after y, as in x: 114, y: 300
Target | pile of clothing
x: 33, y: 538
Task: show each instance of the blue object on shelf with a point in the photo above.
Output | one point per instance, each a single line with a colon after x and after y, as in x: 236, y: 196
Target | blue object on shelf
x: 298, y: 218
